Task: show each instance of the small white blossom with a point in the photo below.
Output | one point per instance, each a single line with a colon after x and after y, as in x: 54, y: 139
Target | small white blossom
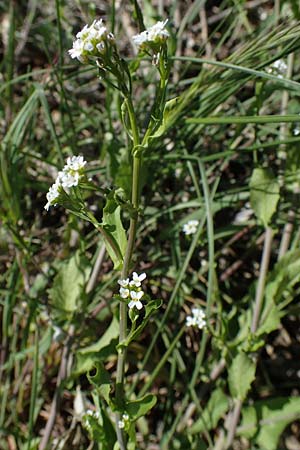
x: 157, y: 34
x: 95, y: 414
x: 68, y: 178
x: 75, y: 163
x: 124, y: 292
x: 244, y: 215
x: 278, y: 68
x: 123, y: 421
x: 137, y: 279
x: 280, y: 65
x: 131, y: 289
x: 135, y: 300
x: 197, y: 319
x: 190, y: 227
x: 124, y: 283
x: 121, y: 424
x: 91, y: 42
x: 52, y: 195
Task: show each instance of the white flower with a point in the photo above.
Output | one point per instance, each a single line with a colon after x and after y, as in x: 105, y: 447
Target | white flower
x: 131, y: 289
x: 157, y: 34
x: 123, y: 421
x: 77, y: 51
x: 91, y: 41
x: 121, y: 424
x: 137, y: 279
x: 243, y: 215
x: 280, y: 66
x: 52, y: 195
x: 197, y: 319
x: 190, y: 227
x: 68, y: 178
x: 135, y: 300
x: 124, y: 283
x: 75, y: 163
x: 124, y: 292
x: 95, y: 414
x: 72, y: 171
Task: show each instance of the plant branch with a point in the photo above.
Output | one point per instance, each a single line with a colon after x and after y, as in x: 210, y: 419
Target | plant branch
x: 135, y: 194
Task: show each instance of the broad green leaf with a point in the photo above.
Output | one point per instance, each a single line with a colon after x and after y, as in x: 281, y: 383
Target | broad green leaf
x: 169, y: 107
x: 271, y: 319
x: 150, y: 308
x: 87, y: 357
x: 240, y: 375
x: 101, y: 380
x: 284, y: 276
x: 140, y: 407
x: 67, y: 292
x: 265, y: 421
x: 115, y: 238
x: 217, y: 406
x: 279, y: 290
x: 264, y: 194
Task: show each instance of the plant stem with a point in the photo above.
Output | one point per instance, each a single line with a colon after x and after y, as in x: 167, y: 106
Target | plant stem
x: 135, y: 195
x: 262, y: 278
x: 265, y: 259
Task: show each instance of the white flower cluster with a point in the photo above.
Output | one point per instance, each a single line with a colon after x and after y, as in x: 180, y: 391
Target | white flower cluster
x: 91, y: 42
x: 123, y: 421
x: 278, y: 68
x: 66, y: 178
x: 190, y: 227
x: 95, y: 414
x: 197, y: 319
x: 157, y: 34
x: 132, y: 290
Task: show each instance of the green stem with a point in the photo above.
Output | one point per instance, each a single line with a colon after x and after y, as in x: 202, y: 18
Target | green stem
x: 135, y: 195
x: 262, y: 278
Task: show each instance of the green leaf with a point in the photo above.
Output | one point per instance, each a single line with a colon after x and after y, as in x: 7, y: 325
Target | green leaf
x: 271, y: 318
x: 265, y: 421
x: 245, y: 119
x: 282, y: 279
x: 150, y: 308
x: 264, y: 194
x: 279, y: 290
x: 103, y: 433
x: 240, y: 375
x: 139, y: 408
x: 102, y: 382
x: 67, y: 292
x: 87, y: 357
x: 113, y: 227
x: 168, y: 109
x: 217, y: 406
